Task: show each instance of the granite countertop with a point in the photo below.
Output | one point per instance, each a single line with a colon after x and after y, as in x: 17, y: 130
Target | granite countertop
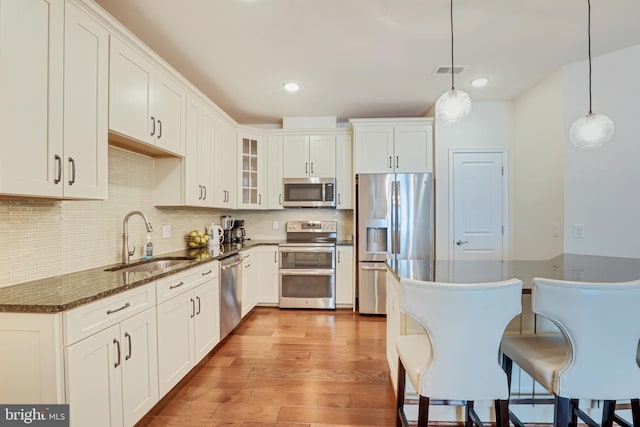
x: 66, y: 291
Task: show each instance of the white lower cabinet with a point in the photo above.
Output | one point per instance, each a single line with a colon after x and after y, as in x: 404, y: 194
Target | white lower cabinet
x: 268, y: 275
x: 249, y: 280
x: 112, y: 375
x: 188, y: 322
x: 344, y: 276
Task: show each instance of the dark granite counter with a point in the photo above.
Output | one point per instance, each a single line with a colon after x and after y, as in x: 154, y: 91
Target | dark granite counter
x: 66, y: 291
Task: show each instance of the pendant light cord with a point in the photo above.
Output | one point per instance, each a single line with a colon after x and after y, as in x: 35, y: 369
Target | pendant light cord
x: 452, y: 68
x: 589, y: 42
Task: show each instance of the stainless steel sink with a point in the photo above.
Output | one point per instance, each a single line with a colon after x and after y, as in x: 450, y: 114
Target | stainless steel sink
x: 157, y: 264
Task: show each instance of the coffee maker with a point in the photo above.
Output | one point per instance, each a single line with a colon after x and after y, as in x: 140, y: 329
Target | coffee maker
x: 227, y: 222
x: 238, y: 232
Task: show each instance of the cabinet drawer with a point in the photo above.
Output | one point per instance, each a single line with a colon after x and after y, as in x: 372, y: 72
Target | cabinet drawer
x: 88, y: 319
x: 170, y: 286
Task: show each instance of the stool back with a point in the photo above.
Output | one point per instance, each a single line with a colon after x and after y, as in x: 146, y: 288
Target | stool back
x: 601, y: 323
x: 464, y: 323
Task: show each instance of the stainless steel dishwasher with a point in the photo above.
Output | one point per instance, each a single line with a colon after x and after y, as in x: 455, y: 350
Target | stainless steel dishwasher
x: 230, y: 294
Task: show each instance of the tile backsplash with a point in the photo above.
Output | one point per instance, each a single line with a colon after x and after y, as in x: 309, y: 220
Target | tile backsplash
x: 41, y: 238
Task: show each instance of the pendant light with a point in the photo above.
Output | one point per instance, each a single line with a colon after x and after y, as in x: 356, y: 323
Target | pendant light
x: 454, y: 104
x: 592, y: 130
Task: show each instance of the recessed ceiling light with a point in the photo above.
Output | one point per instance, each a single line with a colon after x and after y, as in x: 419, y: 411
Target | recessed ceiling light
x: 291, y: 86
x: 479, y: 82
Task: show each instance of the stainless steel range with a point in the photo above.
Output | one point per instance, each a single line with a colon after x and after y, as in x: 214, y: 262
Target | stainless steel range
x: 307, y: 267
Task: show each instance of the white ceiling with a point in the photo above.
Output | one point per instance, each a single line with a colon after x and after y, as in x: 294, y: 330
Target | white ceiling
x: 368, y: 58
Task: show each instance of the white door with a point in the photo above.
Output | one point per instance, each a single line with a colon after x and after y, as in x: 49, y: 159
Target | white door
x: 206, y: 322
x: 478, y: 205
x: 322, y: 156
x: 295, y: 155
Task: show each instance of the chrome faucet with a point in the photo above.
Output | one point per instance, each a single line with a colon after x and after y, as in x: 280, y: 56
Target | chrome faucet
x: 125, y: 235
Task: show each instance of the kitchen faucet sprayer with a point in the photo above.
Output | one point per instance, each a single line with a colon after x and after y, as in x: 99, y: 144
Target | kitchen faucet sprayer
x: 125, y: 235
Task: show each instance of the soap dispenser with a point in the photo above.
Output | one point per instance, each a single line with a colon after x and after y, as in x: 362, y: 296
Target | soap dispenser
x: 148, y: 248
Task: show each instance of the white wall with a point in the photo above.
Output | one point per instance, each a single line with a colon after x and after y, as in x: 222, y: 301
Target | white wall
x: 602, y: 187
x: 488, y: 126
x: 537, y: 170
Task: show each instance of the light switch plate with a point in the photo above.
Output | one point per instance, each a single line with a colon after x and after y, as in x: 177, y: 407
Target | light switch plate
x: 166, y: 231
x: 275, y: 225
x: 578, y: 231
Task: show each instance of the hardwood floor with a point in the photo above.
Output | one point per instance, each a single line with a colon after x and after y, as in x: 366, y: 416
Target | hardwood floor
x: 290, y: 368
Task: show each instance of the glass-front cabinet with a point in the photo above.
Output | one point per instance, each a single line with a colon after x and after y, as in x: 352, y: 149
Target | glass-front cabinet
x: 252, y: 159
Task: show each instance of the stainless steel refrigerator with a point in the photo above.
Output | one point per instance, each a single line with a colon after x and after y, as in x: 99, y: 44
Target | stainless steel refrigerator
x: 394, y: 222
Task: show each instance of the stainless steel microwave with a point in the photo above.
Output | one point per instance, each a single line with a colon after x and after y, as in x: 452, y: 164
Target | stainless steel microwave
x: 309, y: 192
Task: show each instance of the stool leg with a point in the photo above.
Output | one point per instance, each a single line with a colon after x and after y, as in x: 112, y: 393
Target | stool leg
x: 561, y: 413
x: 468, y: 422
x: 575, y: 403
x: 502, y: 413
x: 507, y: 366
x: 608, y: 410
x: 400, y: 401
x: 423, y: 411
x: 635, y: 412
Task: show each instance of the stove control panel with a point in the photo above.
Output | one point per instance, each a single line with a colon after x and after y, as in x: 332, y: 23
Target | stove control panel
x: 312, y: 226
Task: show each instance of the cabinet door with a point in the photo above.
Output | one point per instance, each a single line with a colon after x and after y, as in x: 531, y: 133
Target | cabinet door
x: 268, y: 275
x: 322, y: 156
x: 225, y: 172
x: 199, y: 154
x: 373, y: 149
x: 344, y: 172
x: 249, y: 287
x: 412, y: 148
x: 207, y: 320
x: 130, y: 93
x: 139, y: 349
x: 31, y: 90
x: 175, y: 340
x: 295, y: 157
x: 251, y: 172
x: 274, y: 173
x: 344, y: 275
x: 169, y: 113
x: 86, y: 103
x: 94, y: 382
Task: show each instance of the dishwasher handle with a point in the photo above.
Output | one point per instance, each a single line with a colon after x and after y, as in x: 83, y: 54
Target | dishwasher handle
x: 231, y: 265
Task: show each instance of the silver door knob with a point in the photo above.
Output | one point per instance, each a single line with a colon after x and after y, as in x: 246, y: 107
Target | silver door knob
x: 461, y: 242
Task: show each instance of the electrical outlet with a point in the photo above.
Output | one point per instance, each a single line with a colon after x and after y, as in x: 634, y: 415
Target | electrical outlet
x: 577, y: 275
x: 166, y: 231
x: 555, y: 229
x: 578, y: 231
x: 275, y: 225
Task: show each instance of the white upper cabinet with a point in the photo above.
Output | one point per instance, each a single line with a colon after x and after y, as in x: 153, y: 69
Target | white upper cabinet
x: 393, y: 145
x: 274, y: 172
x: 53, y: 101
x: 344, y: 172
x: 309, y: 156
x: 225, y: 164
x: 251, y: 171
x: 200, y: 127
x: 145, y: 104
x: 86, y: 106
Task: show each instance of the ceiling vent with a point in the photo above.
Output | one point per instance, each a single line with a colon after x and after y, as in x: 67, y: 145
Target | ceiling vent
x: 445, y: 70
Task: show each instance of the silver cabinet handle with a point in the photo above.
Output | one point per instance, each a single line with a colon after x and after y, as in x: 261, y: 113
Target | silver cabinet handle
x: 193, y: 308
x: 306, y: 167
x: 280, y: 199
x: 198, y: 298
x: 72, y: 163
x: 339, y: 201
x: 312, y: 168
x: 397, y: 162
x: 275, y: 257
x: 116, y: 342
x: 160, y: 130
x: 338, y: 257
x: 461, y: 242
x: 153, y: 128
x: 207, y: 272
x: 390, y: 165
x: 259, y: 199
x: 176, y: 286
x: 118, y: 309
x: 128, y: 337
x: 205, y: 192
x: 58, y: 178
x: 200, y: 191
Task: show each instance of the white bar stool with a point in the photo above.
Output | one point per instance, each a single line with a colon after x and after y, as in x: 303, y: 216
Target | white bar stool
x: 458, y: 358
x: 594, y: 358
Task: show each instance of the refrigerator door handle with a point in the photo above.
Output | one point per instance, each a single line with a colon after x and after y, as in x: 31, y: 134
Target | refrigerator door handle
x: 393, y: 217
x: 396, y: 208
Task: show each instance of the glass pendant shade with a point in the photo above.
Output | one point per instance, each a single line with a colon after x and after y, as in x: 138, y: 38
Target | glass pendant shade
x: 453, y: 106
x: 591, y: 131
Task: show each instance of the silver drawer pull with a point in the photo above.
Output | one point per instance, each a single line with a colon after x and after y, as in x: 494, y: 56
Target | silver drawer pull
x: 118, y: 309
x: 208, y: 272
x: 176, y: 286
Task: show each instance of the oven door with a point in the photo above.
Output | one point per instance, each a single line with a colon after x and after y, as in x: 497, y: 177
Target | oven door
x: 307, y: 277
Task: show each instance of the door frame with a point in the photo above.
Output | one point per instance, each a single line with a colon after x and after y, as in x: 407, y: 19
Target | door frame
x: 505, y: 195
